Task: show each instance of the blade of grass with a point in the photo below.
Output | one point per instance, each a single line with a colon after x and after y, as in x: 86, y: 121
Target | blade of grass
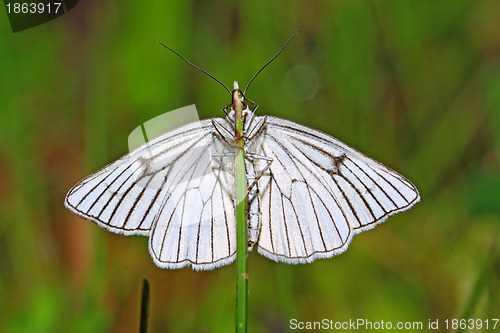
x: 143, y: 328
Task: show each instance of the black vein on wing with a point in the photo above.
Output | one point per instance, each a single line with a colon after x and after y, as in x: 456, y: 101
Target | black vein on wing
x: 139, y: 197
x: 285, y: 225
x: 359, y: 194
x: 394, y: 187
x: 300, y: 227
x: 269, y: 207
x: 368, y: 190
x: 153, y: 201
x: 374, y: 182
x: 103, y: 208
x: 100, y: 194
x: 99, y: 183
x: 225, y: 218
x: 198, y: 233
x: 212, y: 229
x: 346, y: 199
x: 317, y: 218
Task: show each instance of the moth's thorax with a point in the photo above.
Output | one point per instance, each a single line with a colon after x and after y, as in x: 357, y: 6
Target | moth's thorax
x: 238, y: 107
x: 244, y: 116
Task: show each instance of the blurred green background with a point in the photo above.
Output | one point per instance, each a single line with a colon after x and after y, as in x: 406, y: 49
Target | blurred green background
x: 414, y: 84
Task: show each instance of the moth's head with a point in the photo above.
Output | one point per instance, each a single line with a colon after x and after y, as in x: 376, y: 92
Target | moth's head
x: 237, y: 94
x: 238, y: 98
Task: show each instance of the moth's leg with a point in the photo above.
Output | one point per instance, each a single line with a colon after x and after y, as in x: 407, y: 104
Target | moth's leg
x: 223, y: 155
x: 256, y: 129
x: 256, y: 176
x: 222, y: 169
x: 218, y: 158
x: 222, y: 130
x: 253, y: 103
x: 249, y: 120
x: 224, y: 109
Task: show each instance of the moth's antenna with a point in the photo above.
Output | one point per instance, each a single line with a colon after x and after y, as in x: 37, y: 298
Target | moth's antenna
x: 193, y: 65
x: 270, y: 61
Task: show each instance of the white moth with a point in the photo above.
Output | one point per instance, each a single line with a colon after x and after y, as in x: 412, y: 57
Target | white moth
x: 308, y: 193
x: 311, y: 193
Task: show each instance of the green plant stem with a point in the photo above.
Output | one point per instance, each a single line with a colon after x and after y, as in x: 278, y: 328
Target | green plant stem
x: 241, y: 227
x: 241, y: 246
